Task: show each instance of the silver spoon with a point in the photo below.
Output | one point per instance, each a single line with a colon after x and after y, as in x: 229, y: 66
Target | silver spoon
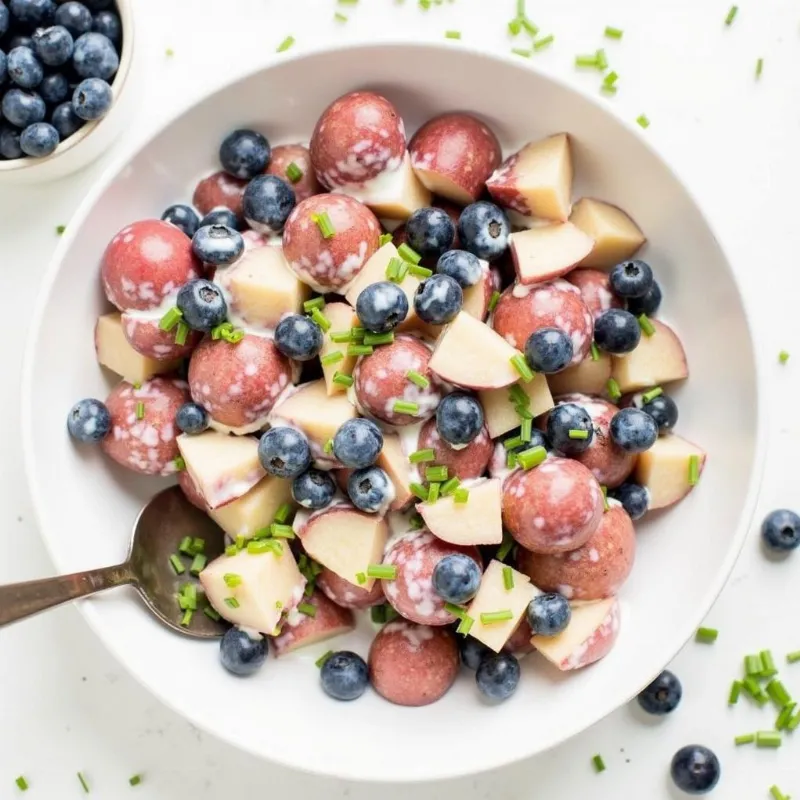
x: 157, y: 532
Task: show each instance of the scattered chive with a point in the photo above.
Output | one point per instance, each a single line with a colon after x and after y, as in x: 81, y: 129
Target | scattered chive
x: 436, y: 474
x: 417, y: 379
x: 386, y: 572
x: 241, y: 542
x: 186, y: 619
x: 378, y: 614
x: 778, y: 693
x: 783, y: 356
x: 777, y: 794
x: 493, y: 617
x: 283, y: 513
x: 452, y: 34
x: 307, y: 609
x: 419, y: 272
x: 514, y: 441
x: 198, y: 546
x: 461, y: 495
x: 433, y: 492
x: 694, y: 470
x: 407, y: 254
x: 493, y: 301
x: 321, y: 320
x: 198, y: 564
x: 706, y: 635
x: 135, y: 780
x: 545, y: 41
x: 516, y: 395
x: 185, y: 546
x: 177, y: 564
x: 608, y: 88
x: 528, y: 459
x: 231, y: 602
x: 137, y: 386
x: 511, y: 460
x: 599, y: 764
x: 416, y: 522
x: 170, y: 319
x: 768, y: 739
x: 604, y: 490
x: 456, y: 611
x: 285, y: 44
x: 181, y: 334
x: 785, y: 716
x: 595, y: 352
x: 505, y: 548
x: 613, y: 390
x: 642, y: 121
x: 339, y: 17
x: 526, y: 430
x: 373, y: 339
x: 331, y: 358
x: 465, y: 626
x: 140, y: 410
x: 343, y: 379
x: 450, y: 486
x: 768, y: 663
x: 315, y: 302
x: 759, y: 67
x: 425, y: 4
x: 745, y: 738
x: 385, y: 238
x: 586, y: 61
x: 508, y: 578
x: 612, y: 33
x: 359, y: 350
x: 84, y: 782
x: 169, y: 52
x: 232, y: 580
x: 357, y: 333
x: 793, y: 658
x: 179, y: 463
x: 419, y: 490
x: 736, y: 690
x: 323, y: 658
x: 794, y: 722
x: 520, y: 51
x: 529, y: 27
x: 393, y: 270
x: 231, y: 550
x: 340, y: 337
x: 60, y: 229
x: 602, y: 60
x: 515, y: 26
x: 575, y: 433
x: 279, y: 531
x: 521, y: 9
x: 521, y: 366
x: 645, y: 324
x: 361, y: 578
x: 752, y: 665
x: 753, y: 688
x: 405, y: 407
x: 22, y: 784
x: 328, y: 447
x: 212, y: 613
x: 652, y: 394
x: 294, y: 173
x: 325, y: 225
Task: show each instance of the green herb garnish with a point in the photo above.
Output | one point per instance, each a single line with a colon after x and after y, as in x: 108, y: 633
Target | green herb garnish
x: 407, y: 254
x: 436, y: 474
x: 198, y: 564
x: 323, y: 658
x: 359, y: 350
x: 598, y: 763
x: 343, y: 379
x: 325, y: 225
x: 22, y: 784
x: 575, y: 433
x: 375, y: 339
x: 493, y: 301
x: 385, y: 238
x: 83, y: 782
x: 177, y: 564
x: 294, y: 173
x: 452, y: 34
x: 745, y: 738
x: 706, y: 635
x: 545, y: 41
x: 461, y: 495
x: 612, y: 33
x: 734, y: 10
x: 417, y: 379
x: 642, y: 121
x: 331, y: 358
x: 508, y: 578
x: 733, y: 696
x: 613, y: 390
x: 419, y: 491
x: 494, y: 617
x: 646, y: 325
x: 285, y: 44
x: 405, y: 407
x: 694, y: 470
x: 433, y: 492
x: 212, y: 613
x: 307, y: 609
x: 768, y: 739
x: 521, y: 366
x: 532, y: 457
x: 314, y: 302
x: 385, y: 572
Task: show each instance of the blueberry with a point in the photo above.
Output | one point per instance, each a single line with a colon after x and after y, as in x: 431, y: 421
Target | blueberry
x: 5, y: 19
x: 459, y: 418
x: 472, y: 651
x: 370, y: 489
x: 75, y: 17
x: 617, y: 332
x: 24, y: 68
x: 695, y: 769
x: 634, y: 499
x: 89, y: 421
x: 3, y: 66
x: 648, y: 304
x: 631, y: 279
x: 9, y: 142
x: 538, y: 439
x: 497, y: 676
x: 567, y: 418
x: 548, y: 350
x: 65, y: 120
x: 53, y: 45
x: 457, y: 578
x: 633, y: 430
x: 221, y: 215
x: 298, y: 337
x: 54, y: 88
x: 462, y: 266
x: 182, y: 217
x: 357, y: 443
x: 381, y: 306
x: 438, y: 299
x: 244, y: 153
x: 108, y: 23
x: 92, y: 98
x: 217, y: 244
x: 780, y: 530
x: 241, y: 654
x: 22, y: 108
x: 344, y: 676
x: 549, y: 614
x: 284, y: 452
x: 95, y: 56
x: 664, y: 411
x: 484, y: 230
x: 313, y: 489
x: 267, y: 202
x: 191, y: 418
x: 98, y: 5
x: 202, y: 304
x: 31, y: 14
x: 39, y: 140
x: 430, y: 231
x: 662, y: 695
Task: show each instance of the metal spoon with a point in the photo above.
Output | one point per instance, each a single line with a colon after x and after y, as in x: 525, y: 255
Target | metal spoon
x: 157, y: 532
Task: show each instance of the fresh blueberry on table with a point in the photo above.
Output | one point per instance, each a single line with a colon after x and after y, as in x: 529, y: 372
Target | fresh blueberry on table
x: 54, y: 88
x: 663, y: 410
x: 633, y: 430
x: 549, y: 614
x: 344, y: 676
x: 497, y: 676
x: 192, y: 418
x: 221, y: 215
x: 472, y: 651
x: 284, y: 452
x: 89, y: 421
x: 65, y: 120
x: 298, y: 337
x: 357, y: 443
x: 9, y: 142
x: 267, y: 202
x: 202, y: 304
x: 662, y: 695
x: 75, y: 17
x: 53, y: 45
x: 780, y: 530
x: 95, y: 56
x: 217, y: 244
x: 108, y: 23
x: 430, y: 232
x: 5, y: 19
x: 570, y: 429
x: 314, y: 489
x: 456, y: 578
x: 39, y: 140
x: 32, y: 14
x: 183, y: 217
x: 648, y: 304
x: 381, y: 306
x: 370, y: 489
x: 631, y: 279
x: 695, y: 769
x: 92, y: 98
x: 548, y: 350
x: 244, y: 153
x: 617, y: 331
x: 459, y: 418
x: 483, y: 229
x: 438, y: 299
x: 22, y: 108
x: 634, y: 499
x: 462, y: 266
x: 24, y: 68
x: 241, y: 654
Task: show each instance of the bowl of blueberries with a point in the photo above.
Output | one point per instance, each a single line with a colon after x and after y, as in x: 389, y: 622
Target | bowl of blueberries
x: 63, y: 71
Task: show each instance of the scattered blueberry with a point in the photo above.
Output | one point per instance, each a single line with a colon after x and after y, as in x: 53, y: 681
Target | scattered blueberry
x: 549, y: 614
x: 472, y: 651
x: 548, y: 350
x: 108, y: 23
x: 92, y: 98
x: 648, y: 304
x: 634, y: 499
x: 357, y: 443
x: 95, y: 56
x: 313, y: 489
x: 202, y: 304
x: 617, y: 332
x: 381, y: 306
x: 75, y: 17
x: 633, y: 430
x: 267, y: 202
x: 780, y: 530
x: 22, y: 108
x: 241, y: 654
x: 298, y: 337
x: 565, y: 418
x: 497, y: 676
x: 89, y: 421
x: 3, y: 66
x: 24, y: 68
x: 459, y: 418
x: 438, y: 299
x: 462, y: 266
x: 695, y: 769
x: 53, y: 45
x: 430, y: 232
x: 65, y: 120
x: 221, y: 215
x: 284, y: 452
x: 183, y: 217
x: 5, y: 19
x: 370, y: 489
x: 32, y: 14
x: 54, y: 88
x: 344, y: 676
x: 39, y: 140
x: 662, y: 695
x: 217, y: 244
x: 664, y: 411
x: 631, y: 279
x: 484, y: 230
x: 191, y: 418
x: 244, y: 154
x: 457, y: 578
x: 9, y: 142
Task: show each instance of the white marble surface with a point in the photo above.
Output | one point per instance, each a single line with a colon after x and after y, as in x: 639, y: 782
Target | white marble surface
x: 66, y: 706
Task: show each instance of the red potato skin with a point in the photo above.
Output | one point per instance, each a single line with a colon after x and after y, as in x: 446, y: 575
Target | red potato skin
x: 380, y: 379
x: 503, y: 187
x: 411, y: 594
x: 219, y: 189
x: 298, y: 154
x: 329, y: 264
x: 557, y: 304
x: 238, y: 383
x: 348, y: 595
x: 147, y: 445
x: 594, y: 571
x: 519, y: 643
x: 413, y: 665
x: 469, y: 462
x: 189, y: 488
x: 330, y: 620
x: 147, y: 338
x: 595, y: 289
x: 552, y: 508
x: 145, y: 262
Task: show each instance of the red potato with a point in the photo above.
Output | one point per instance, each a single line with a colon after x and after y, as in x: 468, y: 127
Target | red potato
x: 189, y: 488
x: 592, y: 572
x: 327, y: 265
x: 411, y: 594
x: 380, y: 380
x: 519, y: 644
x: 300, y: 630
x: 219, y: 189
x: 238, y: 384
x: 146, y: 262
x: 454, y: 155
x: 552, y: 508
x: 595, y: 289
x: 143, y: 438
x: 297, y: 154
x: 146, y: 337
x: 468, y: 462
x: 348, y: 595
x: 358, y: 137
x: 522, y: 310
x: 413, y: 665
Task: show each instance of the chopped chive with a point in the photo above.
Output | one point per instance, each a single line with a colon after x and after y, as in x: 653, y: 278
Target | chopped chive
x: 60, y: 229
x: 784, y: 716
x: 493, y: 301
x: 777, y: 794
x: 307, y: 609
x: 285, y: 44
x: 604, y: 490
x: 343, y: 379
x: 736, y: 690
x: 323, y: 658
x: 505, y: 548
x: 511, y: 460
x: 321, y: 320
x: 783, y: 356
x: 531, y: 29
x: 517, y: 395
x: 642, y: 121
x: 212, y: 613
x: 450, y: 486
x: 241, y: 541
x: 768, y: 663
x: 532, y: 457
x: 425, y: 4
x: 198, y: 564
x: 170, y: 319
x: 759, y: 67
x: 613, y: 390
x: 231, y: 550
x: 416, y: 522
x: 232, y: 580
x: 407, y: 254
x: 386, y: 572
x: 595, y: 352
x: 233, y: 337
x: 602, y: 60
x: 417, y: 379
x: 433, y: 492
x: 331, y: 358
x: 340, y: 337
x: 753, y: 688
x: 646, y: 325
x: 526, y: 430
x: 465, y: 626
x: 461, y: 495
x: 357, y: 333
x: 385, y: 238
x: 794, y: 722
x: 575, y: 433
x: 778, y: 693
x: 309, y: 590
x: 521, y: 366
x: 508, y: 578
x: 456, y: 611
x: 514, y: 441
x: 185, y: 546
x: 599, y: 764
x: 608, y: 88
x: 22, y: 784
x: 436, y: 474
x: 419, y: 272
x: 197, y: 547
x: 325, y: 225
x: 493, y: 617
x: 294, y: 173
x: 378, y: 614
x: 753, y: 665
x: 186, y: 619
x: 694, y: 470
x: 361, y: 578
x: 745, y: 738
x: 283, y: 513
x: 612, y: 33
x: 586, y: 61
x: 359, y: 350
x: 521, y: 9
x: 452, y: 34
x: 378, y: 338
x: 339, y: 17
x: 652, y: 394
x: 315, y: 302
x: 405, y: 407
x: 83, y: 782
x: 177, y: 564
x: 135, y: 780
x: 419, y: 490
x: 231, y: 602
x: 520, y: 51
x: 706, y: 635
x: 181, y: 334
x: 793, y: 658
x: 396, y: 270
x: 768, y: 739
x: 514, y: 27
x: 279, y: 531
x: 140, y: 410
x: 328, y: 447
x: 545, y: 41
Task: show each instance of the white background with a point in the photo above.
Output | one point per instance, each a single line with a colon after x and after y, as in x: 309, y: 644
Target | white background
x: 65, y: 705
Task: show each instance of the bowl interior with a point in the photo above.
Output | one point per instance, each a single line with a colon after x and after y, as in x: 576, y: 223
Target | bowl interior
x: 87, y: 506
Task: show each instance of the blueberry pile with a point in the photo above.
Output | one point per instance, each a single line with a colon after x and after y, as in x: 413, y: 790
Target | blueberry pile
x: 57, y: 63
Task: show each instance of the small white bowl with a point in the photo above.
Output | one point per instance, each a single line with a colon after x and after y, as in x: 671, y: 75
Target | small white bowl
x: 94, y: 138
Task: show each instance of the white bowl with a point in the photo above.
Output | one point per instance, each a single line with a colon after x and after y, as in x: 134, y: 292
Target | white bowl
x: 86, y: 505
x: 94, y: 138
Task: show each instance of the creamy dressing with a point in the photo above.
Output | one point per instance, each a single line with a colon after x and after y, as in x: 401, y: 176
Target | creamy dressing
x: 384, y: 187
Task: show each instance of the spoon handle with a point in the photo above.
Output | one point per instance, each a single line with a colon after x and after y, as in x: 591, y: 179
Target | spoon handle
x: 20, y: 600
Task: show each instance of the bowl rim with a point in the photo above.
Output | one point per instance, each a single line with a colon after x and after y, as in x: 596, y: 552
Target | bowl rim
x: 91, y: 613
